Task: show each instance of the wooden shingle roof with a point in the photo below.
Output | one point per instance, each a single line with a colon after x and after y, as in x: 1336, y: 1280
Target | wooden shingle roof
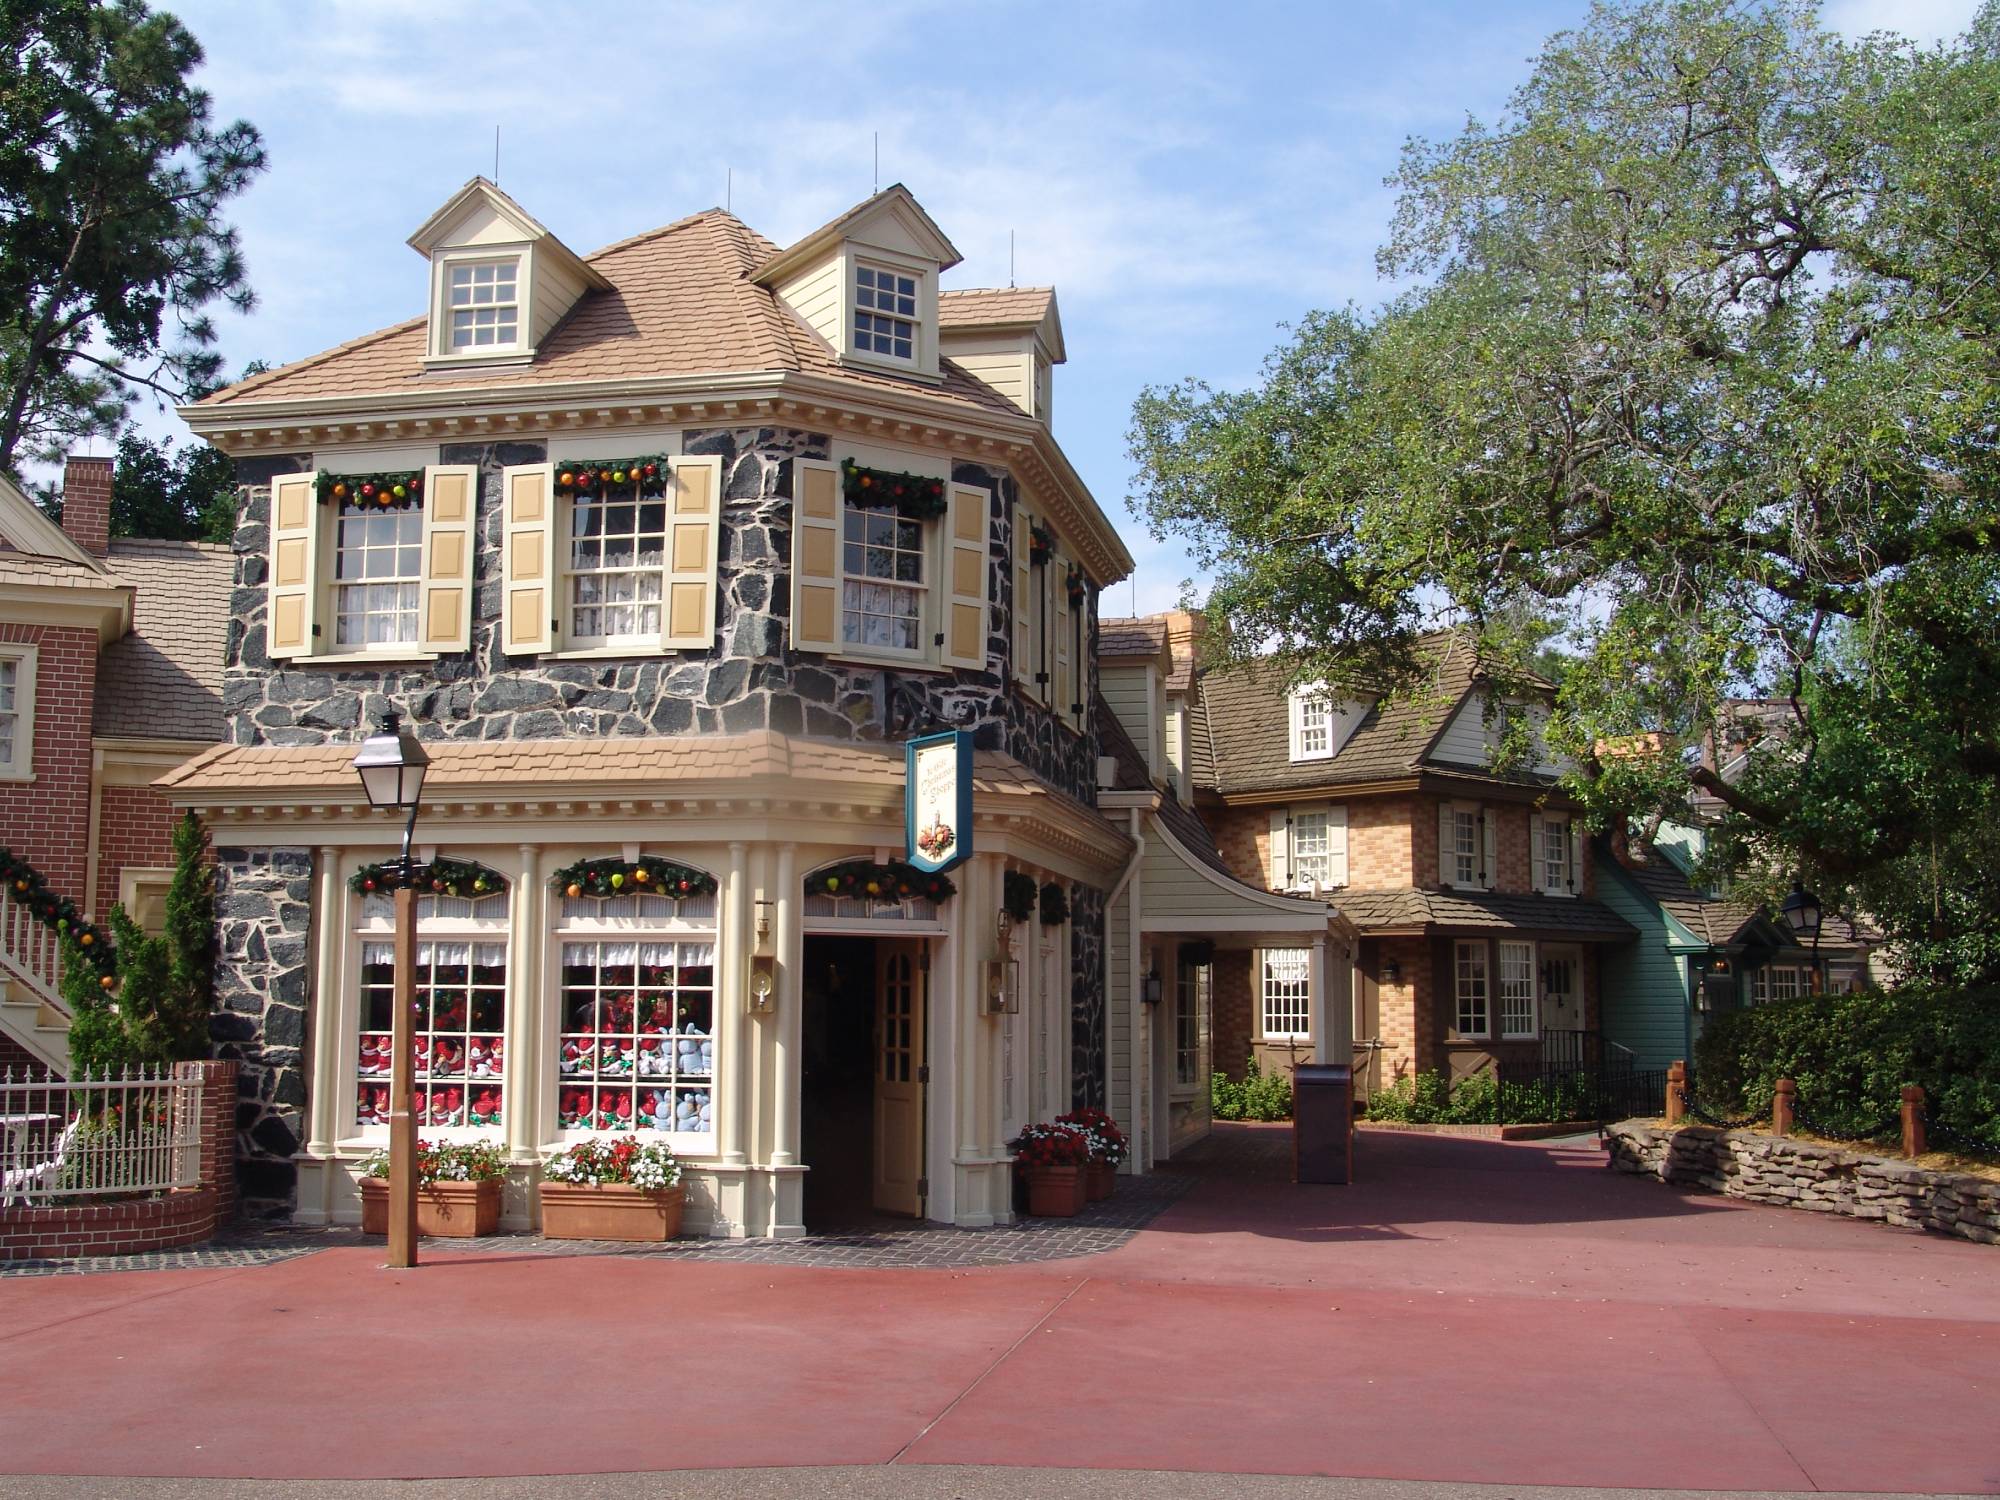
x: 163, y: 679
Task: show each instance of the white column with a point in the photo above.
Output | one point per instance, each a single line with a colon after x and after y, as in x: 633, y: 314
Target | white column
x: 1317, y: 985
x: 985, y: 942
x: 789, y: 939
x: 731, y: 1024
x: 526, y: 1000
x: 963, y: 997
x: 329, y: 1031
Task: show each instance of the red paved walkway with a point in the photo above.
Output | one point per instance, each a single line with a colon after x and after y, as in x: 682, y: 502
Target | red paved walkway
x: 1471, y: 1311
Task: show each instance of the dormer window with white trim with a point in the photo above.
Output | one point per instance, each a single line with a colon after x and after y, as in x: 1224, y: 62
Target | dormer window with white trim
x: 1321, y: 726
x: 483, y: 305
x: 1315, y: 729
x: 885, y: 312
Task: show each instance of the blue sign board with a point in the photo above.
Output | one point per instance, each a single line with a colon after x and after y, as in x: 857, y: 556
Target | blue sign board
x: 937, y: 800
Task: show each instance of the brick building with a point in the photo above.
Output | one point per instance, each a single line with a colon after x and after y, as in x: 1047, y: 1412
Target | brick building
x: 110, y: 675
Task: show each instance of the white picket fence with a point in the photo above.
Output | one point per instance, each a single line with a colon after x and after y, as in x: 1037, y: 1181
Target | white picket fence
x: 63, y: 1140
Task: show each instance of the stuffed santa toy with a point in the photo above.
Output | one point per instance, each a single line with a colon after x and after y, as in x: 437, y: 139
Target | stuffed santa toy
x: 486, y: 1107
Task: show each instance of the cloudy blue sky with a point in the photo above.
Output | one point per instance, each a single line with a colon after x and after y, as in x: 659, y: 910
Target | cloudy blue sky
x: 1190, y: 176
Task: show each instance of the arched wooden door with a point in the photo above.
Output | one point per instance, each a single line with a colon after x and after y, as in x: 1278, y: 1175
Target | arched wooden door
x: 900, y: 1077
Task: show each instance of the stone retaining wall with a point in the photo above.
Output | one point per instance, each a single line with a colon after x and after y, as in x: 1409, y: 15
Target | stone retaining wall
x: 1809, y: 1175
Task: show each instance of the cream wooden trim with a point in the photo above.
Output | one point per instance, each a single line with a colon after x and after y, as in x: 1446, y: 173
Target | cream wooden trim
x: 816, y: 507
x: 450, y: 537
x: 529, y: 534
x: 293, y: 605
x: 694, y: 540
x: 26, y: 658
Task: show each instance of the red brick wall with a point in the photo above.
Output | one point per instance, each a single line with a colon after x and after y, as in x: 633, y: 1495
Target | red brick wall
x: 47, y: 820
x: 87, y: 503
x: 1243, y: 836
x: 1380, y: 839
x: 1232, y: 1023
x: 135, y: 827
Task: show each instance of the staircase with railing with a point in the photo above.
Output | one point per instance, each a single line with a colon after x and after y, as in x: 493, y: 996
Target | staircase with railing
x: 31, y: 1008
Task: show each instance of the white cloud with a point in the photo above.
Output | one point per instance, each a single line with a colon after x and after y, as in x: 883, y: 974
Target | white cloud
x: 1920, y: 20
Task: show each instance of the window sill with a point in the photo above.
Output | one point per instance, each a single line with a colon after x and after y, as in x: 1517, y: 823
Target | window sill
x: 884, y: 662
x: 1559, y: 895
x: 609, y: 653
x: 500, y: 359
x: 17, y: 778
x: 357, y: 659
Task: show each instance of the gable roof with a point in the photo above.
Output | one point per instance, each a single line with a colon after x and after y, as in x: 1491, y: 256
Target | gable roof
x: 1004, y: 310
x: 893, y: 198
x: 1128, y: 635
x: 163, y: 679
x: 27, y: 533
x: 1243, y: 726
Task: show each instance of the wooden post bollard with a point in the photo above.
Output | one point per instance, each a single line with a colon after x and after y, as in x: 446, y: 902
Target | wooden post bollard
x: 1677, y: 1073
x: 1914, y: 1142
x: 1784, y: 1101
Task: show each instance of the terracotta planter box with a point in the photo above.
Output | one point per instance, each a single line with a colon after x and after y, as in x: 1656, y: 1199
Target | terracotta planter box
x: 1100, y: 1177
x: 1056, y: 1192
x: 611, y: 1211
x: 448, y: 1210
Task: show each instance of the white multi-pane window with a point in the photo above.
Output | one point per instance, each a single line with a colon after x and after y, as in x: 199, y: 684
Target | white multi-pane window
x: 1463, y: 854
x: 485, y: 305
x: 1315, y: 727
x: 618, y: 553
x: 1554, y: 855
x: 461, y: 1020
x: 1517, y: 989
x: 1287, y: 1008
x: 1777, y: 982
x: 377, y: 576
x: 12, y: 750
x: 882, y: 580
x: 635, y: 1048
x: 1191, y: 1003
x: 1472, y: 1017
x: 1312, y: 850
x: 885, y: 312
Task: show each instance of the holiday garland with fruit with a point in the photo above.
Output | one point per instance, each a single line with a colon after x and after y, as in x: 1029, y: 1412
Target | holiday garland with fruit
x: 1055, y: 905
x: 443, y: 877
x: 651, y: 472
x: 1079, y: 587
x: 397, y: 490
x: 915, y: 497
x: 621, y: 877
x: 1018, y: 893
x: 865, y: 880
x: 26, y: 885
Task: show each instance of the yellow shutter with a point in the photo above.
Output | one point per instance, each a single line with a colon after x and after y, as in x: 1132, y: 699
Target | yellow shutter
x: 294, y: 581
x: 1062, y: 690
x: 965, y: 551
x: 528, y: 604
x: 815, y: 555
x: 1024, y: 604
x: 694, y: 533
x: 451, y: 501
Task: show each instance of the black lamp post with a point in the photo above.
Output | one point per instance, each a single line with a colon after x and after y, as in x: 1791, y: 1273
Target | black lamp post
x: 391, y: 765
x: 1801, y: 911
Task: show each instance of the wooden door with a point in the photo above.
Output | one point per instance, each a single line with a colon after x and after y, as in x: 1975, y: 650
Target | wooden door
x: 1562, y: 993
x: 900, y: 1074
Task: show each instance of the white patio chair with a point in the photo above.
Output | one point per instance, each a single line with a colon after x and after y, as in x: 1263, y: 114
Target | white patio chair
x: 28, y: 1183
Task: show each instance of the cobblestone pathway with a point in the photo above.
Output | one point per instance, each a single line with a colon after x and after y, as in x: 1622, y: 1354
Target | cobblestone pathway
x: 1101, y: 1226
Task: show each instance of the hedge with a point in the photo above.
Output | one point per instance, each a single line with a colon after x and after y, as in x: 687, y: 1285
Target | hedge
x: 1851, y: 1055
x: 1482, y: 1099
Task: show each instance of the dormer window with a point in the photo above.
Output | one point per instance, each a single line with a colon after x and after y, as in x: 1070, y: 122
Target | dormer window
x: 1315, y: 736
x: 483, y: 300
x: 885, y: 312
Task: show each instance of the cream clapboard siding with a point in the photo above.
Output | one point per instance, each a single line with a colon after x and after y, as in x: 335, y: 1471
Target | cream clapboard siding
x: 1005, y: 364
x: 556, y: 291
x: 1124, y: 688
x: 1175, y: 892
x: 528, y: 604
x: 815, y: 555
x: 1463, y: 742
x: 444, y: 611
x: 293, y: 588
x: 814, y: 294
x: 695, y: 531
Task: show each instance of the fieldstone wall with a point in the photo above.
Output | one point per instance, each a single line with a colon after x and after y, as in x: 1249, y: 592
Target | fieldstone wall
x: 262, y: 907
x: 751, y: 679
x: 1089, y: 1083
x: 1809, y: 1175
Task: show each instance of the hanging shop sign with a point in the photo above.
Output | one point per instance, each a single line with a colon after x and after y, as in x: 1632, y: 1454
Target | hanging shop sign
x: 937, y: 800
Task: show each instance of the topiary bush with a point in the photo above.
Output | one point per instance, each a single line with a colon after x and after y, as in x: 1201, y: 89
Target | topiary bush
x: 1260, y: 1096
x: 1851, y: 1055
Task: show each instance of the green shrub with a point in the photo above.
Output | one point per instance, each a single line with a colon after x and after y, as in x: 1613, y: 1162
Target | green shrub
x: 1481, y: 1099
x: 1851, y: 1055
x: 1260, y: 1096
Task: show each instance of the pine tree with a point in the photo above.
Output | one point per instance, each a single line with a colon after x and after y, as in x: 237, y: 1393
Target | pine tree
x: 190, y: 946
x: 98, y: 1043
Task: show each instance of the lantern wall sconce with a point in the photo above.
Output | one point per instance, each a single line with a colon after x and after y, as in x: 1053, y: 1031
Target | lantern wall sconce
x: 1392, y: 971
x: 763, y: 984
x: 1001, y: 991
x: 761, y: 934
x: 1156, y: 988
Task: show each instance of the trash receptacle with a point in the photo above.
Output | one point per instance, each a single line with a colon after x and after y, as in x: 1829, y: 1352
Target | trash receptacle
x: 1323, y: 1122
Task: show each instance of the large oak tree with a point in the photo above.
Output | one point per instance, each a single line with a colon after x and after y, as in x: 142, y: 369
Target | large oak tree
x: 1700, y: 370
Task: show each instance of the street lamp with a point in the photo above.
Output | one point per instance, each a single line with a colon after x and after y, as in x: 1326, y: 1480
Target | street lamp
x: 391, y: 765
x: 1801, y: 911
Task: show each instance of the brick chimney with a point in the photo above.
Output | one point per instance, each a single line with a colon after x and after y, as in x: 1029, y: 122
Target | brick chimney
x: 86, y: 513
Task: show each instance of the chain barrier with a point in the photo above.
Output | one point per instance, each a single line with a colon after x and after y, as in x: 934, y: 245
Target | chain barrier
x: 1936, y: 1131
x: 1721, y: 1122
x: 1893, y: 1128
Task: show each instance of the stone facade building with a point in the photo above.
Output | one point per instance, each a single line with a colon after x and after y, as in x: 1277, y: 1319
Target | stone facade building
x: 664, y: 552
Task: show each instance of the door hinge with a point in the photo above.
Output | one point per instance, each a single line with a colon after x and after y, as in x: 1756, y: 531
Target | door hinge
x: 924, y: 959
x: 923, y: 1073
x: 923, y: 1187
x: 938, y: 639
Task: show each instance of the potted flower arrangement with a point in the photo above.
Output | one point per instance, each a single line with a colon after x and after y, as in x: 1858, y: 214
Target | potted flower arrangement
x: 1108, y: 1148
x: 612, y: 1190
x: 1052, y: 1158
x: 458, y: 1189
